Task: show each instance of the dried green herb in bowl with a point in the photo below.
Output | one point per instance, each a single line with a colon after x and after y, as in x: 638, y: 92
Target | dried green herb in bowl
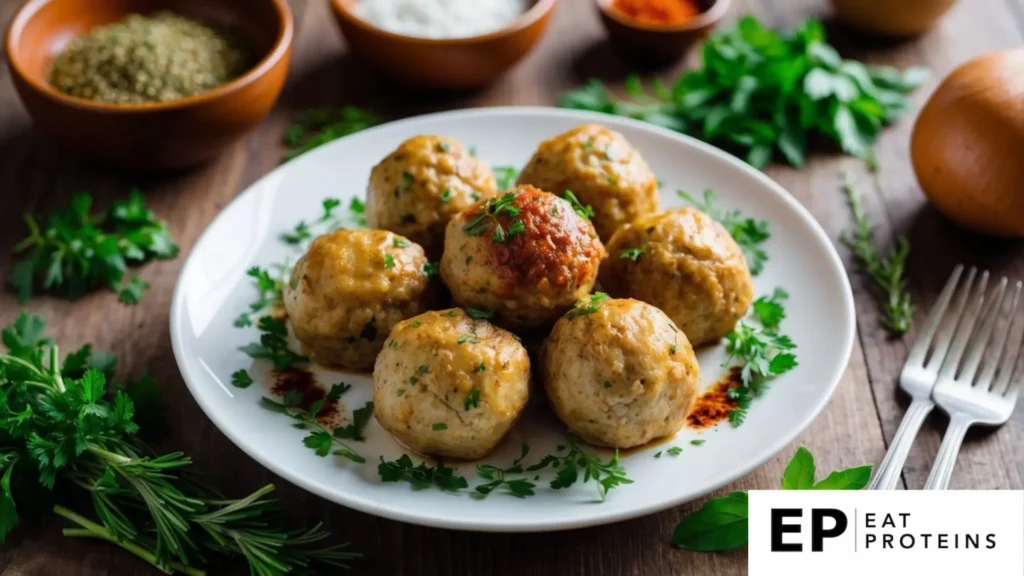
x: 150, y: 58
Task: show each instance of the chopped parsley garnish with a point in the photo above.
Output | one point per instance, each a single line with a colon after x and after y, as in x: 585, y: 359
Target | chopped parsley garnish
x: 473, y: 398
x: 675, y: 451
x: 488, y: 216
x: 389, y: 261
x: 400, y: 392
x: 423, y: 369
x: 408, y: 178
x: 328, y: 221
x: 464, y: 339
x: 431, y: 269
x: 420, y: 476
x: 400, y: 242
x: 439, y: 427
x: 657, y: 454
x: 697, y: 442
x: 585, y: 212
x: 480, y: 314
x: 481, y: 368
x: 446, y: 195
x: 444, y: 147
x: 608, y: 384
x: 273, y: 344
x: 672, y: 349
x: 748, y: 233
x: 413, y: 380
x: 588, y: 305
x: 415, y: 324
x: 633, y: 254
x: 241, y: 379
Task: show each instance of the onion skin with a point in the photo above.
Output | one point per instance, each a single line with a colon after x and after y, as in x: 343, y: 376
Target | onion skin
x: 967, y: 147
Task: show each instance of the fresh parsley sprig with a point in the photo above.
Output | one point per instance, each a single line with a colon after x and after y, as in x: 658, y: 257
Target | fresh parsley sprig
x: 318, y: 126
x: 750, y: 234
x: 328, y: 221
x: 721, y: 523
x: 585, y: 211
x: 66, y: 427
x: 77, y: 251
x: 760, y: 92
x: 273, y: 345
x: 587, y: 305
x: 321, y: 439
x: 762, y: 353
x: 570, y: 460
x: 888, y: 270
x: 420, y: 475
x: 498, y: 477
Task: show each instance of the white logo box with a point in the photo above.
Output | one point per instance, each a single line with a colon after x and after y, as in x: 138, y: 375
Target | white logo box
x: 912, y: 533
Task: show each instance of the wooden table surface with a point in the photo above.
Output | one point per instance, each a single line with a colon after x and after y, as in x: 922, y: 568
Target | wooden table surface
x: 854, y: 429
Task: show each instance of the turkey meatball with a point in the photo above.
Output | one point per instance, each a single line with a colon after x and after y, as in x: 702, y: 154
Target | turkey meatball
x: 602, y: 169
x: 417, y: 189
x: 619, y: 373
x: 525, y: 254
x: 685, y: 263
x: 348, y: 291
x: 449, y: 385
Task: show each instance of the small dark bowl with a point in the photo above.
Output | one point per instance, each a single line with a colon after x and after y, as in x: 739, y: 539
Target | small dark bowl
x: 157, y: 136
x: 443, y: 63
x: 660, y: 44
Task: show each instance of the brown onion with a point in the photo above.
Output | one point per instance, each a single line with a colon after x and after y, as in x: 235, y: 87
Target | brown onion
x: 968, y: 144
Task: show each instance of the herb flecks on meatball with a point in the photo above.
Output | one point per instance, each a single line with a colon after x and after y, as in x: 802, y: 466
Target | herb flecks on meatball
x: 417, y: 189
x: 525, y: 254
x: 602, y: 169
x: 349, y: 289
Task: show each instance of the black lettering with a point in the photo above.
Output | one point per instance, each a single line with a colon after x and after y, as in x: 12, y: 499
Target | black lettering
x: 925, y: 537
x: 886, y: 540
x: 904, y: 515
x: 869, y: 520
x: 869, y: 539
x: 888, y: 522
x: 818, y: 531
x: 779, y: 528
x: 943, y: 541
x: 991, y: 539
x: 973, y: 540
x: 903, y: 541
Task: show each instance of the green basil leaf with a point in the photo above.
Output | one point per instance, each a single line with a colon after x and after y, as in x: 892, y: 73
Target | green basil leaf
x: 799, y: 474
x: 848, y: 479
x: 721, y: 524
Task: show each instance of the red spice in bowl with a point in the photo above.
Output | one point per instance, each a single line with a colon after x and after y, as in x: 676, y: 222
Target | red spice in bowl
x: 658, y: 12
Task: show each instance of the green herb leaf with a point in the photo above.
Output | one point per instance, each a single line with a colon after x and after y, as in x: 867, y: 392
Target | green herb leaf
x: 849, y: 479
x: 799, y: 473
x: 720, y: 524
x: 241, y: 379
x: 587, y: 305
x: 633, y: 254
x: 316, y: 127
x: 506, y: 176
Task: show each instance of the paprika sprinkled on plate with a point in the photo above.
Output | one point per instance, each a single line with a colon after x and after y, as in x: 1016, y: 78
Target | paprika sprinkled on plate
x: 657, y: 12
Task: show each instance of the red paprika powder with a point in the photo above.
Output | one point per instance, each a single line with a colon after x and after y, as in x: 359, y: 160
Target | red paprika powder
x: 658, y: 12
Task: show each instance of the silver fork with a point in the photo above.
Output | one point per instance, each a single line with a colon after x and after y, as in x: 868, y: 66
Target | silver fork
x: 920, y: 373
x: 988, y: 399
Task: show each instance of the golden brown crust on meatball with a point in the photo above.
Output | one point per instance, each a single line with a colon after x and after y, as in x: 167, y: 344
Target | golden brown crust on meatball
x: 449, y: 385
x: 688, y: 265
x: 619, y: 373
x: 349, y: 289
x: 602, y: 168
x: 418, y: 188
x: 524, y: 254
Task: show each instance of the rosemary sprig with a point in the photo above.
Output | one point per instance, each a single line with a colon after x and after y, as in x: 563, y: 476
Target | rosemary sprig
x: 886, y: 270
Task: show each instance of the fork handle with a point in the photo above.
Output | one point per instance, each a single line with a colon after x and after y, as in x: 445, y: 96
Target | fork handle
x: 888, y: 473
x: 942, y: 470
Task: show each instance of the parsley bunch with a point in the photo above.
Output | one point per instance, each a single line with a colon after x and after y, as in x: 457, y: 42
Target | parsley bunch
x: 77, y: 252
x: 318, y: 126
x: 320, y: 439
x: 65, y: 429
x: 570, y: 460
x: 748, y: 233
x: 421, y: 475
x: 886, y: 270
x: 721, y: 523
x: 762, y: 353
x: 760, y: 92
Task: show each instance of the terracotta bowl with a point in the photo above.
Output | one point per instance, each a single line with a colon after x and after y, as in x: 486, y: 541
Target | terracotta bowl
x: 660, y: 44
x: 450, y: 64
x: 158, y: 136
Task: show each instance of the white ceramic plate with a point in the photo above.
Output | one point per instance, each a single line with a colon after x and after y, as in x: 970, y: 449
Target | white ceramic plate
x: 213, y: 289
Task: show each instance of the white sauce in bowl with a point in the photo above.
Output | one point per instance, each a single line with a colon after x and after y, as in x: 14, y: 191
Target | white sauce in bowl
x: 440, y: 18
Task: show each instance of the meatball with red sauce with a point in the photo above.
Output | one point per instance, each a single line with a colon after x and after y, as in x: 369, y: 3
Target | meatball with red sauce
x: 524, y: 254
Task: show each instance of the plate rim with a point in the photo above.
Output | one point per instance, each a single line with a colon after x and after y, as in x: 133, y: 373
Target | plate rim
x: 847, y: 306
